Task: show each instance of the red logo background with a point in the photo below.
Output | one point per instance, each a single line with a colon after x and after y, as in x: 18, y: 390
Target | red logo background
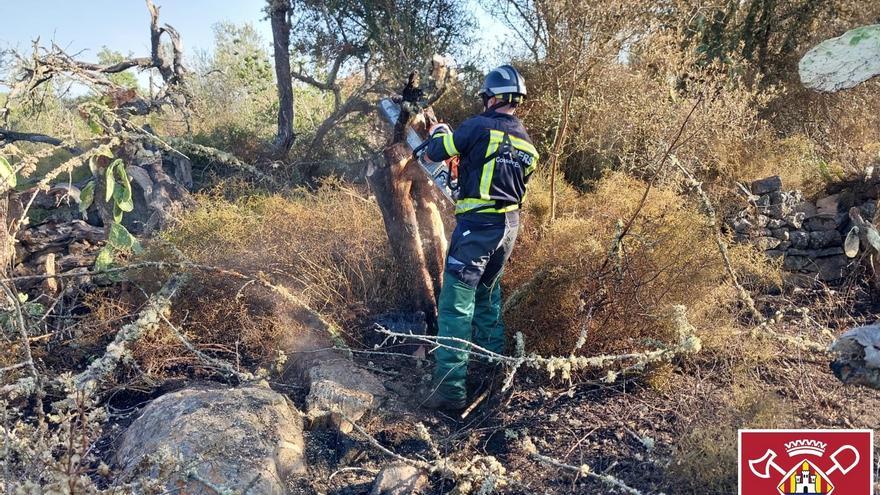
x: 754, y: 444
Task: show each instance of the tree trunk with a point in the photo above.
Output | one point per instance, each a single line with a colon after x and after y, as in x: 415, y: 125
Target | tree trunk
x: 393, y: 184
x: 432, y: 228
x: 279, y: 12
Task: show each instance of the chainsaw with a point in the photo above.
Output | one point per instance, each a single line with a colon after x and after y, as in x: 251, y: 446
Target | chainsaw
x: 443, y: 173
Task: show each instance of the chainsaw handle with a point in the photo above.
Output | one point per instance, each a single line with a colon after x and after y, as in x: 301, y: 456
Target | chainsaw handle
x: 420, y: 147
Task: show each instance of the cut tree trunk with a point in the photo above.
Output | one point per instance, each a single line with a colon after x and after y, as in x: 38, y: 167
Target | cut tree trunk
x: 393, y: 186
x: 413, y: 210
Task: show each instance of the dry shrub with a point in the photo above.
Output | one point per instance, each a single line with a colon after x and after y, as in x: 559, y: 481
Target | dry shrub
x: 330, y: 245
x: 705, y: 459
x: 624, y: 117
x: 221, y: 317
x: 842, y: 129
x: 566, y: 274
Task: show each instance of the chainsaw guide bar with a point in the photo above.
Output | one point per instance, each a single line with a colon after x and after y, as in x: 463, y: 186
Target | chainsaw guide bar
x: 437, y: 171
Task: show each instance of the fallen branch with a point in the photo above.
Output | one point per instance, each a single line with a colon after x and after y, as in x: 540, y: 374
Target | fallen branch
x: 688, y: 343
x: 218, y: 156
x: 148, y: 320
x: 34, y: 137
x: 484, y: 471
x: 712, y: 222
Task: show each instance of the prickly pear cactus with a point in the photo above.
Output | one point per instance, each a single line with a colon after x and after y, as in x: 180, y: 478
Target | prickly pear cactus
x: 842, y: 62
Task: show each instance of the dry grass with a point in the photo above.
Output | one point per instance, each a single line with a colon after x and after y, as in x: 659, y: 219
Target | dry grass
x: 329, y: 244
x: 667, y: 258
x: 705, y: 459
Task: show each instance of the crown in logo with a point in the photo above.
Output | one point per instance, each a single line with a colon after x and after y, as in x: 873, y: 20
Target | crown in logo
x: 805, y: 447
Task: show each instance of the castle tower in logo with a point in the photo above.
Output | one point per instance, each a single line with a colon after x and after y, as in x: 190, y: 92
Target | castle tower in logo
x: 805, y: 479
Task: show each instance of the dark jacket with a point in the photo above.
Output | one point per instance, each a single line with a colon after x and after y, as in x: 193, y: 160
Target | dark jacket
x: 497, y: 159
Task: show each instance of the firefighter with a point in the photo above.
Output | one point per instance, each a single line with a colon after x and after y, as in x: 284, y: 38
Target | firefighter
x: 496, y: 160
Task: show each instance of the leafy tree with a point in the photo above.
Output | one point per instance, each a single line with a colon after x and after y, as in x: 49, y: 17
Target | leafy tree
x: 126, y: 79
x: 356, y: 50
x: 240, y: 55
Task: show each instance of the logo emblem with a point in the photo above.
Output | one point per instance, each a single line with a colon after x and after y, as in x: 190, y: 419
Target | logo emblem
x: 812, y: 462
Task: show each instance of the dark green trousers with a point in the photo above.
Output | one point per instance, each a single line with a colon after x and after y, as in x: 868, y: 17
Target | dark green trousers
x: 469, y: 307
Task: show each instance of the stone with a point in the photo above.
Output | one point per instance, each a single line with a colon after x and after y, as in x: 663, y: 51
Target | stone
x: 763, y: 201
x: 778, y: 198
x: 799, y: 239
x: 869, y: 209
x: 784, y: 245
x: 816, y: 253
x: 765, y: 232
x: 857, y: 360
x: 761, y: 221
x: 782, y: 234
x: 820, y: 222
x: 399, y: 479
x: 825, y: 238
x: 765, y: 243
x: 775, y: 223
x: 828, y: 205
x: 807, y: 208
x: 775, y: 253
x: 339, y: 388
x: 742, y: 225
x: 241, y: 439
x: 795, y: 263
x: 832, y: 268
x: 842, y: 62
x: 767, y: 185
x: 796, y: 219
x: 779, y: 210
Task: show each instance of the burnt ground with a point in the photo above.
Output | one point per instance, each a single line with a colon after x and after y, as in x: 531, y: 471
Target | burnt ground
x: 672, y: 431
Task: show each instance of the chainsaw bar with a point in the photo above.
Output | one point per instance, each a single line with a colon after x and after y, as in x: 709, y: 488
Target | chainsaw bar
x: 437, y: 171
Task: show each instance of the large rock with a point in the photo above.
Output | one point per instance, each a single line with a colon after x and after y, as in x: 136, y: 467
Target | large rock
x: 203, y: 439
x: 340, y: 389
x: 842, y: 62
x: 399, y: 479
x: 799, y: 239
x: 858, y: 356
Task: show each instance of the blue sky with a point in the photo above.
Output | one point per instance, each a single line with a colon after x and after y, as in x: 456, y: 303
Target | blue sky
x: 123, y: 25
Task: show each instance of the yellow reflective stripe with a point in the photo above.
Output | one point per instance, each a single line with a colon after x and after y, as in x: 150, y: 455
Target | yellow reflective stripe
x: 489, y: 167
x: 522, y: 144
x: 449, y: 144
x: 531, y: 168
x: 466, y: 204
x: 486, y: 179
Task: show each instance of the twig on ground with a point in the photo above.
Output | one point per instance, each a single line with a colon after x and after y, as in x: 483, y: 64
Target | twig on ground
x: 225, y: 367
x: 582, y: 470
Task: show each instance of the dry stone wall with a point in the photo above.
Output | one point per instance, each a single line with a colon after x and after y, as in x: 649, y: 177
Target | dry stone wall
x: 807, y: 235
